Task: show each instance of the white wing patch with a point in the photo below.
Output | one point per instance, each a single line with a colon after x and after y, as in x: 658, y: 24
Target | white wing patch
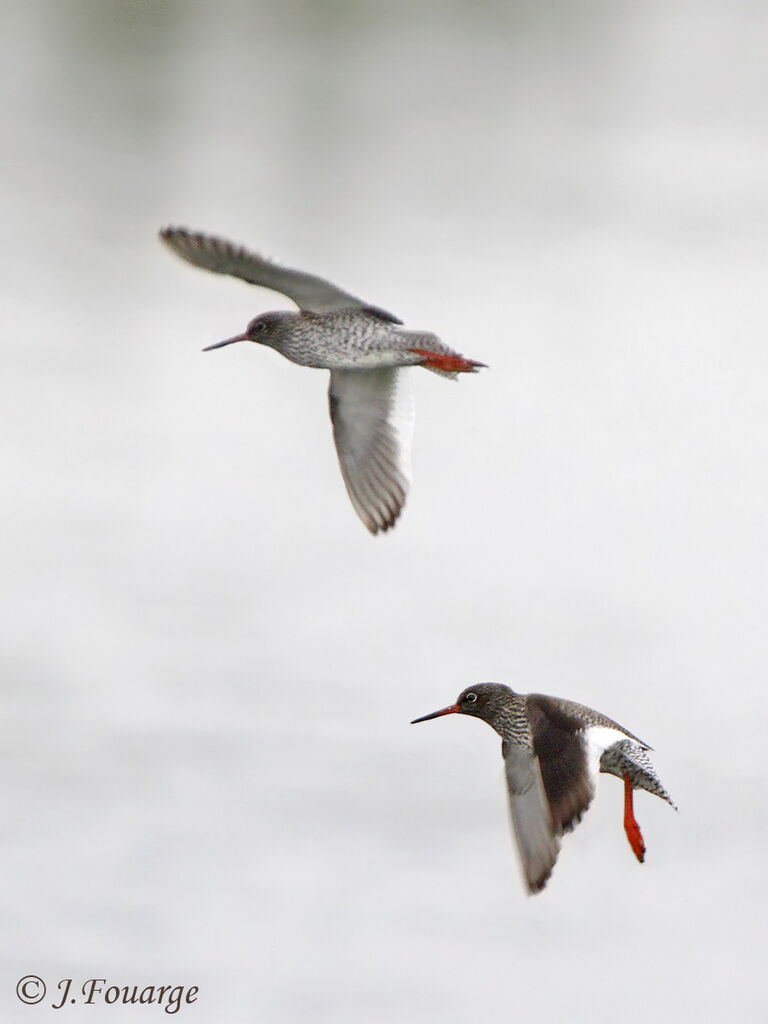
x: 597, y: 739
x: 372, y: 416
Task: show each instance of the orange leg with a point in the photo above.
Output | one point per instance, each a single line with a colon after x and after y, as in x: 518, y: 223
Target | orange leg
x: 449, y: 364
x: 634, y: 835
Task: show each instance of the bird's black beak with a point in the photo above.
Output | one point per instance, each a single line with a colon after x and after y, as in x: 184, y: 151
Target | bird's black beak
x: 452, y: 710
x: 227, y: 341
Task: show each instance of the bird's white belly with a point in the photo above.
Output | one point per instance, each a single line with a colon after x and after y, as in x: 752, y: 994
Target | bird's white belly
x: 348, y: 358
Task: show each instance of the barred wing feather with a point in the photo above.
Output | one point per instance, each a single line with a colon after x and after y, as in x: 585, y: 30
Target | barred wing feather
x: 372, y: 416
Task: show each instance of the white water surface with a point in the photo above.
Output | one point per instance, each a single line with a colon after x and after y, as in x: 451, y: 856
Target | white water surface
x: 209, y: 666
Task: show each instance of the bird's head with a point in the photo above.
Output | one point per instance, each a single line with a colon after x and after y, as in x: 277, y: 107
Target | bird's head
x: 266, y: 329
x: 484, y: 700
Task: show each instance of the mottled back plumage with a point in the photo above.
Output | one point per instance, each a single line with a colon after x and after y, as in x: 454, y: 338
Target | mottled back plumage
x: 553, y: 751
x: 365, y: 350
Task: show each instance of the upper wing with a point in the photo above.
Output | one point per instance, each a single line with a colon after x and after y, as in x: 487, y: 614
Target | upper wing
x: 310, y: 293
x: 568, y: 775
x: 372, y: 416
x: 538, y: 838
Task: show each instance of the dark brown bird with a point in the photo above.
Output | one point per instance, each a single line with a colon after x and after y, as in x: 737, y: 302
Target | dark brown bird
x: 553, y: 752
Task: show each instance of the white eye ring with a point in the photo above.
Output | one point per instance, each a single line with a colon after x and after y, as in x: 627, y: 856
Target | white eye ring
x: 471, y: 698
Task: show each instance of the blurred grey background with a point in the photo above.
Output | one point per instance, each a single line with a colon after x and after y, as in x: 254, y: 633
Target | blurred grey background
x: 209, y: 666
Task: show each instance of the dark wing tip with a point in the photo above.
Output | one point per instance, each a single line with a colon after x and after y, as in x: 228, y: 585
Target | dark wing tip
x: 389, y: 522
x: 538, y: 884
x: 173, y: 234
x: 179, y: 238
x: 569, y: 823
x: 381, y: 518
x: 381, y: 314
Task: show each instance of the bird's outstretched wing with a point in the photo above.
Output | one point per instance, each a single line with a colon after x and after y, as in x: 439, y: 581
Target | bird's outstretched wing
x: 372, y: 416
x: 310, y: 293
x: 537, y: 835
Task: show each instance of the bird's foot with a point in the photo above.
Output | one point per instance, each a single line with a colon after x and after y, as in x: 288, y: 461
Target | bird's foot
x: 631, y: 827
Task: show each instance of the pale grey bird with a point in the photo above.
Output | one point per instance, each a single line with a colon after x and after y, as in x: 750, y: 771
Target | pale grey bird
x: 364, y: 348
x: 553, y: 752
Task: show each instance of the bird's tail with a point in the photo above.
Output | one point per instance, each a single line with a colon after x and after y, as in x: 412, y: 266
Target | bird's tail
x: 447, y: 364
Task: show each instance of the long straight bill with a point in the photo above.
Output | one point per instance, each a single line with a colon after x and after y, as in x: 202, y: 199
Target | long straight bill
x: 452, y: 710
x: 227, y: 341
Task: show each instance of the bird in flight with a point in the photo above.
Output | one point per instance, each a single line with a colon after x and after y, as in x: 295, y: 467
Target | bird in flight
x: 553, y: 752
x: 363, y: 346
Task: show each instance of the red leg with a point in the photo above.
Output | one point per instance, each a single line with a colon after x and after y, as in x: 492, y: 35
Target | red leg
x: 634, y: 835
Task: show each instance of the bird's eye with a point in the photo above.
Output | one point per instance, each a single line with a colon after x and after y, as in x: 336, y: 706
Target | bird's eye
x: 470, y: 698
